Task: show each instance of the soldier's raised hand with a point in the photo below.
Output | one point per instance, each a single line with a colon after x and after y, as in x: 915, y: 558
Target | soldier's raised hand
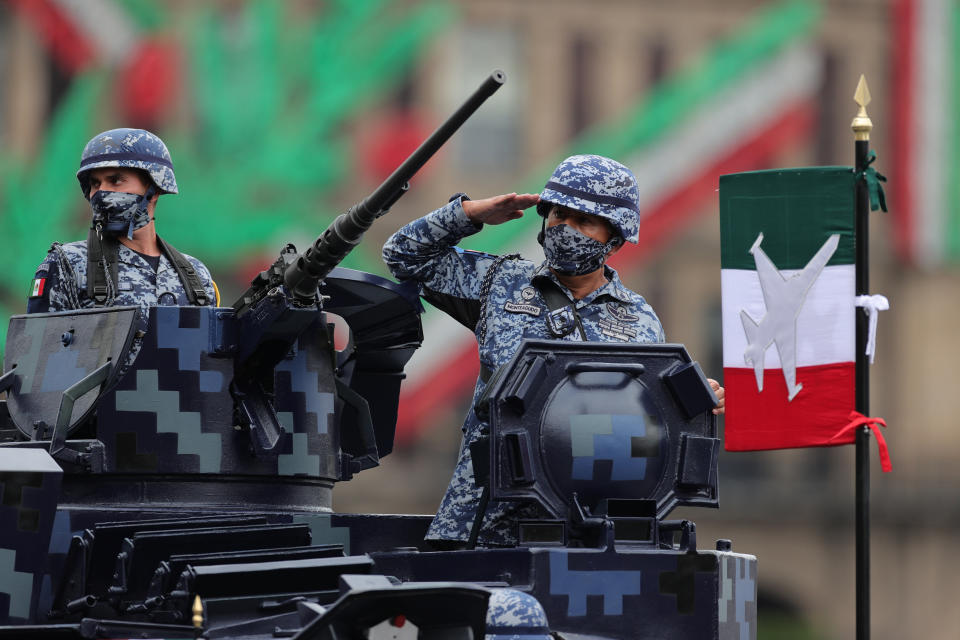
x: 720, y: 393
x: 499, y: 209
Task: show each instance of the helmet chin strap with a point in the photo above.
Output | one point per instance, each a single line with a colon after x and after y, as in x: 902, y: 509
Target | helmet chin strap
x: 151, y: 191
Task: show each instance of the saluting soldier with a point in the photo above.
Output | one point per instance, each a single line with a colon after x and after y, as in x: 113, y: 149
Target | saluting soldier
x: 123, y: 261
x: 590, y: 208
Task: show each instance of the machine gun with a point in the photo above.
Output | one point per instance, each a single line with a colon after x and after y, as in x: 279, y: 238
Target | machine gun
x: 283, y: 301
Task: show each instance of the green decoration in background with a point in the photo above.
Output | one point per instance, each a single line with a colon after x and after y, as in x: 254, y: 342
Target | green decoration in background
x: 37, y: 199
x: 271, y: 90
x: 953, y: 178
x: 147, y: 14
x: 255, y: 177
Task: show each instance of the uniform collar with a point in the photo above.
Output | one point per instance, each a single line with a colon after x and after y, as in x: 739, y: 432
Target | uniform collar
x: 613, y: 288
x: 131, y: 257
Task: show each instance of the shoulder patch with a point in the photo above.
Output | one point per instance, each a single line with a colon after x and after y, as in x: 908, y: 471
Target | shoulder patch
x: 39, y: 286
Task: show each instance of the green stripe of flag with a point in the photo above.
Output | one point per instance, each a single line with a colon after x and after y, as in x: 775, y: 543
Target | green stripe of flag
x: 952, y: 248
x: 795, y: 208
x: 765, y: 35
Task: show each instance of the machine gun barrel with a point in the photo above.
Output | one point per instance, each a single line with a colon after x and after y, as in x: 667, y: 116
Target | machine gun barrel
x: 303, y: 275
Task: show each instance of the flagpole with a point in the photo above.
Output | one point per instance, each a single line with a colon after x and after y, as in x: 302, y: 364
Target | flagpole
x: 861, y: 128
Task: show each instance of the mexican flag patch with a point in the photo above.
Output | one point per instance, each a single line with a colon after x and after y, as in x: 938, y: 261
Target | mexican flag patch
x: 788, y: 284
x: 38, y: 285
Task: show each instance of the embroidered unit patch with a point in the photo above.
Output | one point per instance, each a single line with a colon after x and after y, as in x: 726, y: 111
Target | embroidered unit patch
x: 621, y: 313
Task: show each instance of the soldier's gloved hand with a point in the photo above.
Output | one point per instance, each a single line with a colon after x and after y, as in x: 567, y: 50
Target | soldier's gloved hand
x: 499, y: 209
x: 719, y: 392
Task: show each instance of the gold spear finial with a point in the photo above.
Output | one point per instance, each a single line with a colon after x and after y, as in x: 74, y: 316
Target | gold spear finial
x: 197, y: 613
x: 862, y: 124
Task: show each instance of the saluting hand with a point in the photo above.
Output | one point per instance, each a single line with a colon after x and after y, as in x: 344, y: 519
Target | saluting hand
x: 720, y: 393
x: 499, y: 209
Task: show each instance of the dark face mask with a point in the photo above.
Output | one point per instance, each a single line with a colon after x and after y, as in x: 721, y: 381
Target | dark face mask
x: 116, y: 212
x: 572, y: 253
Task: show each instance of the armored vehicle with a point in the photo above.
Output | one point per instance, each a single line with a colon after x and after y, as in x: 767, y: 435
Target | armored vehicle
x: 170, y: 476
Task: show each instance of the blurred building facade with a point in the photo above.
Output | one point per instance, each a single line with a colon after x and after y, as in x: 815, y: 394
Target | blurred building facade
x: 574, y: 67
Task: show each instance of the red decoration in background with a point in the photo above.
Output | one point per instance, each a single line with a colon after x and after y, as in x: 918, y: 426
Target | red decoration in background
x: 149, y: 82
x: 68, y: 45
x: 386, y: 143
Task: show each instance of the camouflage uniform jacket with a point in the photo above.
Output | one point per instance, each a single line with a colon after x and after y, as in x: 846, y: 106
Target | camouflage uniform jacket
x: 60, y: 283
x: 513, y: 309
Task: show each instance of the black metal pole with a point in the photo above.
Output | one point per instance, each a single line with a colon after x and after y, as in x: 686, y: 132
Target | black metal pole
x: 861, y: 127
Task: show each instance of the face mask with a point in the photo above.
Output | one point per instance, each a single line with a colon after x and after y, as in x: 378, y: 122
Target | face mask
x: 116, y: 212
x: 571, y: 253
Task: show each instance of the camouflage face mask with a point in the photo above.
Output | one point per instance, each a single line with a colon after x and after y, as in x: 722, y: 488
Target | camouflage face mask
x: 571, y: 253
x: 116, y: 212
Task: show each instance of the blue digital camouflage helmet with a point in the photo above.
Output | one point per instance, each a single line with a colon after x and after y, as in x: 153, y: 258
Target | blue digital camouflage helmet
x: 133, y: 148
x: 599, y: 186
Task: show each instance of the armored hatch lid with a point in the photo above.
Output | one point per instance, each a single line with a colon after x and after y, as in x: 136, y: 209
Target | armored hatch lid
x: 50, y: 352
x: 604, y: 422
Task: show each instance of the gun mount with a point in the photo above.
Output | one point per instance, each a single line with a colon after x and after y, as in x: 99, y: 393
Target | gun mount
x: 282, y: 302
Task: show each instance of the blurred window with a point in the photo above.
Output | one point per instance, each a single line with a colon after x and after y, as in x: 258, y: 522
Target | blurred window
x: 581, y: 64
x: 491, y: 140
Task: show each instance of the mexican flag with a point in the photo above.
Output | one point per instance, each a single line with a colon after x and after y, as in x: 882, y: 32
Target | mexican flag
x: 788, y: 283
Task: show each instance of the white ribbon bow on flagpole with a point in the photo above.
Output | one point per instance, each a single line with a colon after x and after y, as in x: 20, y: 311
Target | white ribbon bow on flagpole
x: 872, y: 306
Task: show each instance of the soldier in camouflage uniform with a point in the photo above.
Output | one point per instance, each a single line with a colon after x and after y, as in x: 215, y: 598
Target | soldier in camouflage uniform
x: 590, y: 207
x: 122, y: 174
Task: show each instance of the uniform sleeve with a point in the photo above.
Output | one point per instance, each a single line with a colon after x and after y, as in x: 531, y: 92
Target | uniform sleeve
x: 51, y: 288
x: 653, y: 322
x: 425, y: 251
x: 47, y: 273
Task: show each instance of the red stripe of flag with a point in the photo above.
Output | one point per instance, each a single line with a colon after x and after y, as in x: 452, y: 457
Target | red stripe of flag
x: 455, y: 379
x: 767, y: 420
x: 903, y: 62
x: 68, y: 45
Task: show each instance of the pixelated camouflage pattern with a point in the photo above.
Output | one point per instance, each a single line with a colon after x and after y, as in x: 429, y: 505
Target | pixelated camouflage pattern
x: 29, y: 489
x: 652, y: 594
x: 737, y: 616
x: 595, y: 178
x: 572, y: 253
x: 119, y: 211
x: 138, y: 283
x: 515, y: 615
x: 137, y: 141
x: 451, y: 278
x: 172, y: 412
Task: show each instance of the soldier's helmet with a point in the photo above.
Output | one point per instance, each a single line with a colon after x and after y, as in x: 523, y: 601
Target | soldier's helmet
x: 599, y: 186
x: 132, y: 148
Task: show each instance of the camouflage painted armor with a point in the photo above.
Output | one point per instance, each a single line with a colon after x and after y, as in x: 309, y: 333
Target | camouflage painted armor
x: 502, y: 312
x: 60, y: 283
